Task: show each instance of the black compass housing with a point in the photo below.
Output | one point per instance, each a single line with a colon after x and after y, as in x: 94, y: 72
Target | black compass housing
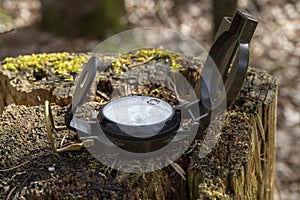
x: 139, y: 131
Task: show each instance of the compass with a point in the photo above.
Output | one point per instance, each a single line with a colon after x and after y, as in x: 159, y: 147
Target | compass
x: 144, y: 124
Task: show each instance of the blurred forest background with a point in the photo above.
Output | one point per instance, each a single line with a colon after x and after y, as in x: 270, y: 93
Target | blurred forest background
x: 34, y: 26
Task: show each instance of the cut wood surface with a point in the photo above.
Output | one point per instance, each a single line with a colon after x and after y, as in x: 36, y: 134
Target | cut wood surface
x: 32, y: 79
x: 240, y: 166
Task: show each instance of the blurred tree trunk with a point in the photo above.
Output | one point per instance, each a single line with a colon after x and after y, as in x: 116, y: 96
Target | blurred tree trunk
x: 222, y: 8
x: 77, y: 18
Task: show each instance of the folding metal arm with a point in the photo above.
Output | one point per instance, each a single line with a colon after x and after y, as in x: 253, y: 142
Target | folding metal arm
x: 50, y: 124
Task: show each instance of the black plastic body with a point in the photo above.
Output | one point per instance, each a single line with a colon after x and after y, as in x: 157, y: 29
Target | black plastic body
x: 141, y: 144
x: 230, y: 56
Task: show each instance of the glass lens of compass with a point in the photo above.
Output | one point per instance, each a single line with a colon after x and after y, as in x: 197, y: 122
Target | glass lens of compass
x: 138, y: 111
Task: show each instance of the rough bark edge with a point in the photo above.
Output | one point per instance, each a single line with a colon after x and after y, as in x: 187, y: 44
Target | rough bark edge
x: 11, y: 94
x: 255, y: 180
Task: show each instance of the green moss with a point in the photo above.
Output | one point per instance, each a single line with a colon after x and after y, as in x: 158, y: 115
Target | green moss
x: 63, y: 64
x: 146, y: 55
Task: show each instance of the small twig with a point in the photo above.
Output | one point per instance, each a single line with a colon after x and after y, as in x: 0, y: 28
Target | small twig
x: 175, y: 89
x: 178, y: 169
x: 15, y: 167
x: 103, y: 95
x: 62, y: 141
x: 140, y: 63
x: 192, y: 148
x: 10, y: 193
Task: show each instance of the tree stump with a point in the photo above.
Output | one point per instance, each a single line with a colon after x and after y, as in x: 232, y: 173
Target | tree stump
x: 240, y: 166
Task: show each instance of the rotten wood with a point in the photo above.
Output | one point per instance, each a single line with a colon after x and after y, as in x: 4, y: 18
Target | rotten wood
x: 250, y: 175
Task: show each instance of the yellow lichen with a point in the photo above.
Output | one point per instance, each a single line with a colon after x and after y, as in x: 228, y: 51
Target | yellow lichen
x: 63, y: 64
x: 146, y: 55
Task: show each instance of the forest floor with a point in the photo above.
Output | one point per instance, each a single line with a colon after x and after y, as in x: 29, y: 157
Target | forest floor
x: 275, y: 48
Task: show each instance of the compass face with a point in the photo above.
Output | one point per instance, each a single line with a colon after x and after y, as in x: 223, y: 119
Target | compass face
x: 141, y: 117
x: 138, y: 111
